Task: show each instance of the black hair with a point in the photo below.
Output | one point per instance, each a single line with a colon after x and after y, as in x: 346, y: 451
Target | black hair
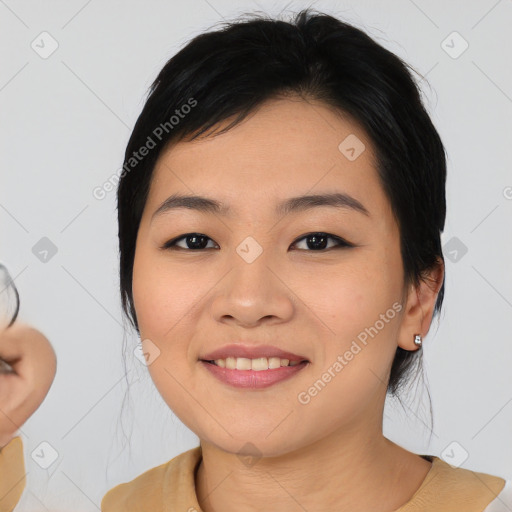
x: 226, y: 74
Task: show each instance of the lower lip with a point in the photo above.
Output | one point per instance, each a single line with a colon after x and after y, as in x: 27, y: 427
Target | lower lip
x: 251, y: 378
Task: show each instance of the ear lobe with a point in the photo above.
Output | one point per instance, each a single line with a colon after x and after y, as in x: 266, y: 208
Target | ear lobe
x: 419, y: 306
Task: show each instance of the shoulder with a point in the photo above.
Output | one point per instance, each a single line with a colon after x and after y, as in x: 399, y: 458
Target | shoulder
x: 503, y: 502
x: 12, y: 474
x: 153, y: 488
x: 447, y: 488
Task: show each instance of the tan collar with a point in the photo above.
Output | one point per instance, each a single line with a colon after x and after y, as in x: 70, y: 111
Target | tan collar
x: 171, y: 488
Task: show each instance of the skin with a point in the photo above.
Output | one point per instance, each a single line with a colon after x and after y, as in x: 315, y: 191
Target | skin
x: 301, y: 299
x: 26, y: 383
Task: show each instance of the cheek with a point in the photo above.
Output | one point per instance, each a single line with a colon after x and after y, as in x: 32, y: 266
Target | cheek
x: 359, y: 305
x: 165, y: 302
x: 163, y: 296
x: 352, y: 295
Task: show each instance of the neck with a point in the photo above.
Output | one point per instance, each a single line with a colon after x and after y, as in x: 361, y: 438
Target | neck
x: 354, y: 471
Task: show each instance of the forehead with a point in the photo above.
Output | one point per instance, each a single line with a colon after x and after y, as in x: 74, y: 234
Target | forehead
x: 286, y: 148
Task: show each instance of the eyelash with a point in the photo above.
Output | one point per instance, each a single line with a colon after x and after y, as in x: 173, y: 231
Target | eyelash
x: 171, y: 244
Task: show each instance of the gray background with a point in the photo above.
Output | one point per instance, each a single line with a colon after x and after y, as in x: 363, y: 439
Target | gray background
x: 65, y: 122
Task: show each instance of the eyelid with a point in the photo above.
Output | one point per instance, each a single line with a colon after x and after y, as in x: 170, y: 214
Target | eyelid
x: 171, y: 244
x: 341, y: 242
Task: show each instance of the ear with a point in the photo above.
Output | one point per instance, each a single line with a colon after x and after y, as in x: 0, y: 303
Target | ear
x: 419, y: 306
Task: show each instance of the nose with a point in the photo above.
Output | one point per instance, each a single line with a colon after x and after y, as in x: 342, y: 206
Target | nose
x: 253, y: 293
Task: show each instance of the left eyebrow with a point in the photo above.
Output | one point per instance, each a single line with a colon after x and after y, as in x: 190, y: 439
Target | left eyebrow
x: 334, y: 200
x: 293, y: 204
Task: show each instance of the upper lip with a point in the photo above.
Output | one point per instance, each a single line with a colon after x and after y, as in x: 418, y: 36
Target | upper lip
x: 250, y: 352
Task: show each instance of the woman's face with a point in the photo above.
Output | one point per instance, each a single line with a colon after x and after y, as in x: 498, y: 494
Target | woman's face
x: 257, y: 279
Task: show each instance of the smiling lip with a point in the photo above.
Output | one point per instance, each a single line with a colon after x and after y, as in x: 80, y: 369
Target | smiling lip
x: 251, y: 378
x: 250, y: 352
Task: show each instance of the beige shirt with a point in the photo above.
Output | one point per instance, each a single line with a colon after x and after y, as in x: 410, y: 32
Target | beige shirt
x: 170, y: 487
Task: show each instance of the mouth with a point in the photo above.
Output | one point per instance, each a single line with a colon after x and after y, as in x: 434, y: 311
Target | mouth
x: 252, y: 366
x: 256, y: 364
x: 237, y: 356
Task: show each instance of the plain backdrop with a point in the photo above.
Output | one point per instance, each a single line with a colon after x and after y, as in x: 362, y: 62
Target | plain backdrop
x: 65, y: 121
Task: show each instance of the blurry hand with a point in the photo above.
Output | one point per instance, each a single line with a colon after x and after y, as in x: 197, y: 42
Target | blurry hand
x: 25, y: 379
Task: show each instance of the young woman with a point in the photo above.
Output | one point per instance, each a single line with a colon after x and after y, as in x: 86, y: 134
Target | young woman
x: 280, y: 211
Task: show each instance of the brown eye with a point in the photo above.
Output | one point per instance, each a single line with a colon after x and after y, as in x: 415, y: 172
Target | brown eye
x: 315, y: 242
x: 320, y: 242
x: 192, y: 241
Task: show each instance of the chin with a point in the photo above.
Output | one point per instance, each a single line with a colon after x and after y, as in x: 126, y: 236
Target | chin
x: 255, y: 446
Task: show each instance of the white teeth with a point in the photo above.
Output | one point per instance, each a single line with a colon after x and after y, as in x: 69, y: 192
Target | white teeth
x: 258, y: 364
x: 242, y: 363
x: 275, y: 362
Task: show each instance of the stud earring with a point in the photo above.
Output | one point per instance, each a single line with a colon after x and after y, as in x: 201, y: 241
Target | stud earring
x: 417, y: 340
